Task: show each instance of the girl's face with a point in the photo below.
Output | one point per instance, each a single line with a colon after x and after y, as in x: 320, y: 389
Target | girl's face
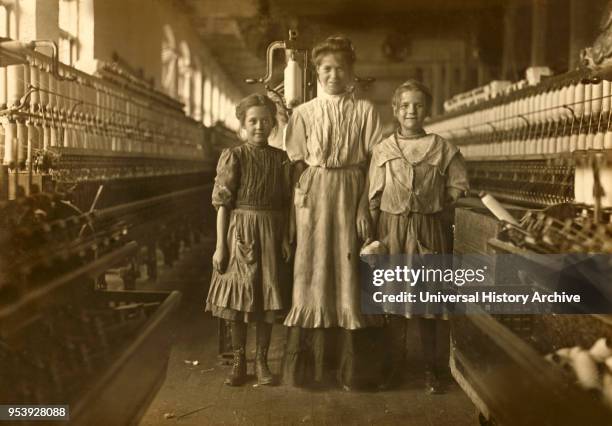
x: 411, y: 111
x: 258, y: 125
x: 334, y: 74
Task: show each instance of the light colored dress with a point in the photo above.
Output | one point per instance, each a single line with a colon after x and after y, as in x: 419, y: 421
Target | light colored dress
x: 334, y: 135
x: 252, y: 181
x: 409, y: 182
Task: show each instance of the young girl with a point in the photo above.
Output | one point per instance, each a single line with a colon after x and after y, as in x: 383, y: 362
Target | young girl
x: 414, y: 176
x: 251, y: 195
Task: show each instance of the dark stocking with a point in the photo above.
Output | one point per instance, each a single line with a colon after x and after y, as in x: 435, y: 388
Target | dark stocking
x: 264, y: 331
x: 238, y: 374
x: 239, y: 333
x: 264, y: 376
x: 318, y: 349
x: 427, y: 329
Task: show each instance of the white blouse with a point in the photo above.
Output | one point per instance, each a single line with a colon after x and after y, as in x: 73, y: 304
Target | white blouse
x: 333, y: 131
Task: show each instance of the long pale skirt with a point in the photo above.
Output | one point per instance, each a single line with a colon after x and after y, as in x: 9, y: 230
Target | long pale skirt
x: 326, y: 288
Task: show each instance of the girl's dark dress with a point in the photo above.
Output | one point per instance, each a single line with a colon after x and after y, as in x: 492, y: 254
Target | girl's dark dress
x: 252, y: 181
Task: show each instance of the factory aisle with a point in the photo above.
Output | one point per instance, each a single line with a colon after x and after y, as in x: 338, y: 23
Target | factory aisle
x: 194, y: 393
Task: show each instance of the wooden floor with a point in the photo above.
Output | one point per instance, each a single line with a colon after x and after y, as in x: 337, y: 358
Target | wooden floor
x: 195, y: 394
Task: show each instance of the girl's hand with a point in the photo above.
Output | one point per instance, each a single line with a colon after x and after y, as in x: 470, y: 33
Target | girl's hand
x: 219, y: 259
x: 287, y: 249
x: 374, y: 215
x: 363, y: 224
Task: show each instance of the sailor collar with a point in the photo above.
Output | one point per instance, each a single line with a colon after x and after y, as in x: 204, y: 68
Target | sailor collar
x: 389, y: 150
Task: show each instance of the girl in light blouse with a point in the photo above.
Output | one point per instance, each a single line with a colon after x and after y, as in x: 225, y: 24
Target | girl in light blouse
x: 414, y: 176
x: 330, y: 140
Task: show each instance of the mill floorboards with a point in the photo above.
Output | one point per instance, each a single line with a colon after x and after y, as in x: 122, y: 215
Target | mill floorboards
x: 195, y: 394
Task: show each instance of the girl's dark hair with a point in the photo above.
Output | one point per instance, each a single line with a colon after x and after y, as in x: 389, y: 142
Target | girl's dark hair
x: 256, y: 100
x: 334, y: 44
x: 412, y: 85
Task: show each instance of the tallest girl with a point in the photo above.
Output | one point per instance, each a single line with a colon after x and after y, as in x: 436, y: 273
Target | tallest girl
x: 330, y: 138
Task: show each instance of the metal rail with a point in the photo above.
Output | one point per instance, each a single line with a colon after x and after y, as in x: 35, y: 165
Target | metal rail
x: 37, y: 297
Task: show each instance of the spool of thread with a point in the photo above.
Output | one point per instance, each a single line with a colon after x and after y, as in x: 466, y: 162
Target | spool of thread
x: 565, y: 143
x: 605, y: 178
x: 597, y: 101
x: 588, y: 99
x: 540, y: 107
x: 516, y: 145
x: 53, y: 142
x: 588, y: 184
x: 563, y: 100
x: 579, y: 99
x: 74, y: 136
x: 556, y: 101
x: 598, y: 140
x: 573, y: 141
x: 552, y: 144
x: 64, y: 135
x: 600, y: 351
x: 43, y: 83
x: 563, y: 352
x: 46, y: 137
x: 85, y: 138
x: 22, y: 143
x: 10, y: 131
x: 15, y: 89
x: 27, y: 82
x: 532, y: 144
x: 581, y: 140
x: 585, y: 369
x: 548, y: 104
x: 35, y: 96
x: 51, y: 82
x: 60, y: 99
x: 607, y: 142
x: 32, y: 142
x: 497, y: 209
x: 606, y: 91
x: 579, y: 177
x: 539, y: 145
x: 589, y: 140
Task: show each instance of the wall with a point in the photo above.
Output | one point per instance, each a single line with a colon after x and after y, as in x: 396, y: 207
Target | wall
x: 134, y: 30
x: 440, y: 60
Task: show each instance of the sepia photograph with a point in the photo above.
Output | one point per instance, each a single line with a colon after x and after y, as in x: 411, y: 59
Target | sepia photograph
x: 306, y: 212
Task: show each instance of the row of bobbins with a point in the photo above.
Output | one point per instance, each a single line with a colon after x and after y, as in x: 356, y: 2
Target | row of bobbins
x: 42, y: 110
x: 573, y: 118
x: 576, y: 116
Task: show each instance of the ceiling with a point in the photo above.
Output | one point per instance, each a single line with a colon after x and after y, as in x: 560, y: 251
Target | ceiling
x: 238, y: 31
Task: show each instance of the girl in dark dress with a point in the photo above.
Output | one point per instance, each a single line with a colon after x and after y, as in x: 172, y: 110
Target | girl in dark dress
x: 249, y: 279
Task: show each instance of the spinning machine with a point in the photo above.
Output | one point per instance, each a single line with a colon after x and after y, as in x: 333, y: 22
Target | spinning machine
x: 98, y: 171
x: 543, y: 147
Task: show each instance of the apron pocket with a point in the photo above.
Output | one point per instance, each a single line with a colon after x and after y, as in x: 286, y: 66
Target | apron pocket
x: 245, y: 252
x: 300, y: 197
